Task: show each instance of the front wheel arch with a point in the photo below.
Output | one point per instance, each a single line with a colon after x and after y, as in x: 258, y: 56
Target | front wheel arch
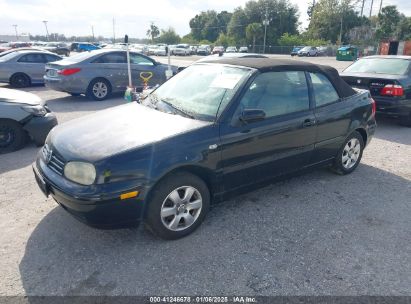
x: 204, y: 174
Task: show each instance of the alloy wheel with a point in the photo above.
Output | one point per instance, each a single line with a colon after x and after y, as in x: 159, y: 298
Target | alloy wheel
x: 100, y: 89
x: 181, y: 208
x: 351, y: 153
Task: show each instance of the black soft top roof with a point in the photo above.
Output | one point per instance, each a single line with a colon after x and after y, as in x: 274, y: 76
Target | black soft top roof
x: 270, y: 64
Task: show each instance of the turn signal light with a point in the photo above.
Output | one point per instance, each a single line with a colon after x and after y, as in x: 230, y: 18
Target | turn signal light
x: 128, y: 195
x: 392, y: 90
x: 67, y: 72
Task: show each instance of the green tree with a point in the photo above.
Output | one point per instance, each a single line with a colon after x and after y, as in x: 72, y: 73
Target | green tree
x: 169, y: 36
x: 404, y: 28
x: 282, y: 16
x: 225, y: 40
x: 332, y: 18
x: 153, y: 32
x: 388, y: 20
x: 252, y: 32
x: 290, y: 40
x: 236, y: 26
x: 209, y: 24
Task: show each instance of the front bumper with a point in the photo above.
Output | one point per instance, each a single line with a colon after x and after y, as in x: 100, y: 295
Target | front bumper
x: 39, y: 127
x: 99, y: 208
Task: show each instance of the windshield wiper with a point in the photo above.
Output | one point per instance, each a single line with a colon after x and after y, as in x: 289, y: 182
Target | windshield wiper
x: 185, y: 113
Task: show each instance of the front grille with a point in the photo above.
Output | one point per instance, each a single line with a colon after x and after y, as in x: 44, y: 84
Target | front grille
x: 53, y: 160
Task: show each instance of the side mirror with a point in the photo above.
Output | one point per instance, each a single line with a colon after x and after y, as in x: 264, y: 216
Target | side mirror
x: 252, y: 115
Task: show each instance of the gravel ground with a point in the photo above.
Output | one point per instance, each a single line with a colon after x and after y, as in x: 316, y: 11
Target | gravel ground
x: 316, y: 234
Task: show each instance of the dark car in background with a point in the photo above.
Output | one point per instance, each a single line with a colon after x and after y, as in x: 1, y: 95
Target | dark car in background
x: 213, y: 130
x: 294, y: 51
x: 388, y: 78
x: 102, y: 72
x: 58, y: 48
x: 24, y: 68
x: 23, y: 116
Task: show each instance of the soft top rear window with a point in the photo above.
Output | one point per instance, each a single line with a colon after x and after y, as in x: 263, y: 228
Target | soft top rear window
x: 393, y: 66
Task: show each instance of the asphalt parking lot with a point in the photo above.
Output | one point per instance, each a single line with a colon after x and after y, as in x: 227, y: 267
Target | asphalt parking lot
x: 316, y: 234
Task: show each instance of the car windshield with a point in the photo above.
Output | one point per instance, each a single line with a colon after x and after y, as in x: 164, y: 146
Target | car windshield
x: 307, y: 48
x: 394, y: 66
x: 201, y: 91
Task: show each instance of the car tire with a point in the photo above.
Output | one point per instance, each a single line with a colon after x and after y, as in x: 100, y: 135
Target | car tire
x: 405, y: 120
x: 20, y: 80
x: 350, y: 154
x: 12, y: 136
x: 172, y: 216
x: 99, y: 89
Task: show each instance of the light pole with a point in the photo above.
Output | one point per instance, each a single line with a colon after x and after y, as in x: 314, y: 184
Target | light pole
x: 266, y: 22
x: 92, y: 31
x: 47, y: 30
x: 15, y: 29
x: 114, y: 30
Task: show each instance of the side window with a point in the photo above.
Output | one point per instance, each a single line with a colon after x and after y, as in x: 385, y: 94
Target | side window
x: 324, y: 91
x: 277, y: 93
x: 138, y: 59
x: 111, y: 58
x: 51, y: 58
x: 32, y: 58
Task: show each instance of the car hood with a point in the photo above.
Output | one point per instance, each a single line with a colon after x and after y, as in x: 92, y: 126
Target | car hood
x: 21, y: 97
x: 108, y: 132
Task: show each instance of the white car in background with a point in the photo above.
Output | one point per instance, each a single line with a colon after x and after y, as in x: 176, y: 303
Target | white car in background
x: 161, y: 51
x: 182, y: 50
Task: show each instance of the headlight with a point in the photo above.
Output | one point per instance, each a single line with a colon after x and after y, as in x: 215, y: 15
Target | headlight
x: 35, y: 110
x: 81, y: 173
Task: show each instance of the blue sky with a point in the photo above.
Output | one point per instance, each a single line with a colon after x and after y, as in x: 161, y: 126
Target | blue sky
x: 75, y: 17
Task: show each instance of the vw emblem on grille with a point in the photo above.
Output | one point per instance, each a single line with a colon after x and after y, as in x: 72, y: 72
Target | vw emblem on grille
x: 358, y: 81
x: 48, y: 154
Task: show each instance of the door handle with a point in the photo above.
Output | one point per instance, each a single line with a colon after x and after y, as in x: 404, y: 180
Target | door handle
x: 308, y: 122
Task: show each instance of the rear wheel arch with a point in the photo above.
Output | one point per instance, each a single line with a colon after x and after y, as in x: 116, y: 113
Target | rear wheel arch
x: 363, y: 134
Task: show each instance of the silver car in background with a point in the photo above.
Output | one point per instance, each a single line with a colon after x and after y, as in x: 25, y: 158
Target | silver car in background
x: 182, y: 50
x: 26, y: 67
x: 99, y: 73
x: 23, y: 116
